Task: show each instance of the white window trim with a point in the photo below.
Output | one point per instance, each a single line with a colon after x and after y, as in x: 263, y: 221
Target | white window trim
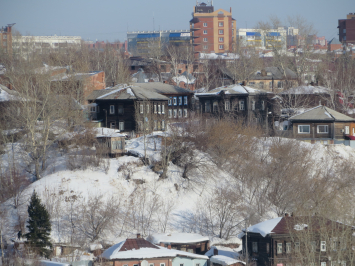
x: 347, y: 130
x: 175, y: 101
x: 321, y: 246
x: 326, y: 126
x: 121, y: 124
x: 205, y: 32
x: 175, y: 113
x: 205, y: 39
x: 288, y: 247
x: 112, y: 109
x: 220, y: 24
x: 159, y: 109
x: 241, y: 105
x: 220, y: 32
x: 141, y: 108
x: 185, y: 112
x: 170, y: 113
x: 205, y: 24
x: 279, y: 250
x: 162, y: 264
x: 323, y: 263
x: 221, y: 47
x: 163, y: 109
x: 309, y: 129
x: 185, y: 100
x: 170, y: 101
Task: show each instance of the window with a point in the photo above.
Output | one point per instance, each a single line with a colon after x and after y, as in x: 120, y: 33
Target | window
x: 185, y: 112
x: 227, y: 105
x: 323, y: 263
x: 344, y: 31
x: 180, y: 113
x: 205, y: 39
x: 180, y: 100
x: 150, y: 264
x: 313, y: 246
x: 93, y: 109
x: 175, y: 113
x: 155, y: 108
x: 181, y: 264
x: 323, y: 246
x: 163, y: 125
x: 347, y: 130
x: 185, y: 100
x: 163, y: 109
x: 121, y: 126
x: 155, y: 125
x: 262, y: 105
x: 170, y: 113
x: 162, y: 264
x: 322, y: 129
x: 205, y: 32
x: 112, y: 124
x: 121, y: 110
x: 221, y: 39
x: 190, y: 250
x: 241, y: 105
x: 279, y: 248
x: 220, y: 24
x: 169, y: 101
x: 252, y: 105
x: 205, y: 24
x: 175, y: 101
x: 254, y: 247
x: 305, y: 129
x: 221, y: 47
x: 297, y: 246
x: 141, y: 108
x: 205, y: 47
x: 207, y: 107
x: 288, y: 247
x: 267, y: 247
x: 215, y: 106
x: 112, y: 109
x: 197, y: 264
x: 334, y: 243
x: 159, y: 109
x: 220, y: 31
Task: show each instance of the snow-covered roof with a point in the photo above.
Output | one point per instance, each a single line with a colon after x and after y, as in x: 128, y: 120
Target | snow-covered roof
x: 232, y: 89
x: 95, y: 247
x: 177, y: 238
x: 53, y: 263
x: 307, y: 90
x: 7, y: 95
x: 224, y: 251
x: 322, y: 113
x: 228, y: 56
x: 223, y: 260
x: 264, y: 228
x: 153, y: 251
x: 107, y: 132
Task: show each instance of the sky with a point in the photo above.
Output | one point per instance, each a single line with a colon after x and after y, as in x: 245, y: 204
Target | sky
x: 109, y: 20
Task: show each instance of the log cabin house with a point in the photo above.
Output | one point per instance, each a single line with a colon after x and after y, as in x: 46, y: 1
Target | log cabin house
x: 296, y: 241
x: 322, y: 124
x: 190, y: 242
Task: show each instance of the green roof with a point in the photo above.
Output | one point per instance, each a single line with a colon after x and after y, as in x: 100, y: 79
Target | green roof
x: 322, y: 113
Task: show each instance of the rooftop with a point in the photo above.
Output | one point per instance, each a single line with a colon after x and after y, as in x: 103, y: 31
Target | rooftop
x: 321, y: 113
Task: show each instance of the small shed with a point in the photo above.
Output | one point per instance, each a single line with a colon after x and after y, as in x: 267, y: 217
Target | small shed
x: 110, y: 141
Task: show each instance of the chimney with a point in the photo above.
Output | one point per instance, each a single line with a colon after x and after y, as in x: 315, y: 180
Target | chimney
x: 169, y: 246
x: 286, y: 214
x: 230, y: 9
x: 215, y: 252
x: 138, y: 235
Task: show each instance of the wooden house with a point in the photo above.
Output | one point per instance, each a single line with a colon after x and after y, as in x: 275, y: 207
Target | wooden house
x: 190, y: 242
x: 296, y: 241
x: 110, y: 141
x: 242, y: 102
x: 138, y: 251
x: 322, y: 124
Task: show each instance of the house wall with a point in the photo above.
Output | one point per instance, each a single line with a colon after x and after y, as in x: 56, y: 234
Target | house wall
x: 263, y: 255
x: 189, y: 261
x: 313, y: 131
x: 184, y: 108
x: 155, y: 262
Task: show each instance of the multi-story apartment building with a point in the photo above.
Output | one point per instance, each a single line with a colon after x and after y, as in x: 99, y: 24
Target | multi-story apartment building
x: 212, y: 31
x: 6, y: 38
x: 24, y: 45
x: 140, y: 42
x: 347, y: 29
x: 263, y: 39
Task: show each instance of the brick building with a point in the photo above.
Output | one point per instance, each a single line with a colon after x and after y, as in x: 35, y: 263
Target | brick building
x: 212, y: 31
x: 6, y: 38
x: 347, y: 29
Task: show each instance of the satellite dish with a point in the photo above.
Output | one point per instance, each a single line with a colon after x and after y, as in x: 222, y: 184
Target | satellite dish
x: 144, y: 263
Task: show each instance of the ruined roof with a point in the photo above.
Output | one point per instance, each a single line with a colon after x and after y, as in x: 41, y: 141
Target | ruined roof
x: 322, y: 113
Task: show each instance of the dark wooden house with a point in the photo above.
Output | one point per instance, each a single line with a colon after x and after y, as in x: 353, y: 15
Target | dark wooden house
x: 190, y: 242
x: 322, y: 124
x: 296, y: 241
x: 248, y: 104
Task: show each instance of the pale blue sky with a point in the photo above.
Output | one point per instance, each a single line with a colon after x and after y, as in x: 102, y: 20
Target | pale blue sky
x: 110, y: 19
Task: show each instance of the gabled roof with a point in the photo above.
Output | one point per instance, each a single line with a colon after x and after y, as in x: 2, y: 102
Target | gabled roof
x: 139, y: 248
x: 322, y: 113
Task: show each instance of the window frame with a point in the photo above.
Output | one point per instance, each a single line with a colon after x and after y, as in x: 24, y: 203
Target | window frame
x: 254, y: 247
x: 113, y: 123
x: 304, y: 132
x: 220, y: 24
x: 120, y: 109
x: 121, y: 123
x: 175, y: 113
x: 227, y: 105
x: 112, y: 109
x: 170, y: 101
x: 174, y: 101
x: 326, y: 126
x: 180, y: 113
x: 204, y: 24
x: 205, y: 32
x: 185, y: 112
x: 221, y: 46
x: 253, y: 105
x: 159, y: 109
x: 241, y: 105
x: 205, y: 40
x: 163, y: 109
x: 323, y: 246
x: 221, y: 39
x: 180, y: 100
x: 297, y: 246
x: 185, y: 100
x: 288, y: 247
x: 221, y: 32
x: 279, y: 248
x: 170, y: 113
x: 263, y: 105
x: 141, y: 108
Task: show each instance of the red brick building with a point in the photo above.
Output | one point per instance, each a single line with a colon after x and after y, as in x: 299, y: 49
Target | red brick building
x: 212, y: 31
x: 347, y: 29
x: 6, y: 38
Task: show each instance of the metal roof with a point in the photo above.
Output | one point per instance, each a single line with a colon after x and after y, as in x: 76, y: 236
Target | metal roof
x: 322, y: 113
x: 162, y: 88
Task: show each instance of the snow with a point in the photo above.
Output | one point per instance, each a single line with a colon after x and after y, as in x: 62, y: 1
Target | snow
x: 223, y: 260
x: 112, y: 92
x: 300, y: 227
x: 263, y: 228
x: 145, y: 253
x: 107, y: 132
x: 95, y: 247
x: 183, y: 78
x: 52, y: 263
x: 177, y: 238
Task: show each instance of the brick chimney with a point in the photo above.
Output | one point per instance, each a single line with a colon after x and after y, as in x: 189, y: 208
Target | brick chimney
x: 286, y: 214
x: 138, y: 235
